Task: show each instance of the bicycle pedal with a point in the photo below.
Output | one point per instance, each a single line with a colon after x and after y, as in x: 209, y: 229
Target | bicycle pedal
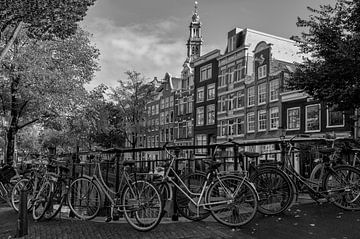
x: 108, y: 219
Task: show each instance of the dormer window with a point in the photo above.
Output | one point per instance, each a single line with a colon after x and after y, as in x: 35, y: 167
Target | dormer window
x: 232, y: 43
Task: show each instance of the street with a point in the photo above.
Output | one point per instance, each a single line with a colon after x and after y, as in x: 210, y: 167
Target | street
x: 308, y: 220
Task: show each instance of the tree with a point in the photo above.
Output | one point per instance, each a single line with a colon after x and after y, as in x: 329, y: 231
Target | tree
x: 44, y: 79
x: 131, y: 97
x: 44, y: 19
x: 331, y: 71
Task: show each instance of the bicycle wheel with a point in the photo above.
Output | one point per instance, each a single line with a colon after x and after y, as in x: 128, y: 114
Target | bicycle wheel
x: 23, y: 184
x: 142, y: 205
x: 41, y: 201
x: 84, y: 198
x: 275, y: 190
x: 232, y: 200
x: 343, y: 185
x: 165, y: 192
x: 194, y: 182
x: 57, y: 199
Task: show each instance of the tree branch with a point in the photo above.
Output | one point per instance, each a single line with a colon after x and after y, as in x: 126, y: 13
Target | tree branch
x: 28, y: 123
x: 11, y: 42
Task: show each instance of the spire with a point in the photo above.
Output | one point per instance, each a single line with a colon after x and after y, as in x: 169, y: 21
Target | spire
x: 195, y: 16
x: 195, y: 39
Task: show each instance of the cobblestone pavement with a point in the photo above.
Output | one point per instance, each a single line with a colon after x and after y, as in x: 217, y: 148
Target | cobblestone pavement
x: 302, y: 221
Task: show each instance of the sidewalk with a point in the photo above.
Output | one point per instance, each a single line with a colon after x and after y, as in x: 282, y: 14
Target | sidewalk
x: 305, y: 220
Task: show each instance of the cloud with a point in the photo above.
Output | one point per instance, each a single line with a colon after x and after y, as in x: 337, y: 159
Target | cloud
x: 151, y: 49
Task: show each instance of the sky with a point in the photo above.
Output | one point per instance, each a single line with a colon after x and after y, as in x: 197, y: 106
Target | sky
x: 149, y: 36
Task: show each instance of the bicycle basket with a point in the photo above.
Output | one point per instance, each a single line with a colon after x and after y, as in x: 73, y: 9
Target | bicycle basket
x: 6, y: 173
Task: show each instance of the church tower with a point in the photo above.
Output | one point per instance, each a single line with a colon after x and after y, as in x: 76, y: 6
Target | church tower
x: 195, y: 39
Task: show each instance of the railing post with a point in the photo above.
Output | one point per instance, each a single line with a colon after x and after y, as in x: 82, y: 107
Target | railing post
x: 117, y: 172
x: 236, y: 158
x: 175, y: 215
x: 22, y: 225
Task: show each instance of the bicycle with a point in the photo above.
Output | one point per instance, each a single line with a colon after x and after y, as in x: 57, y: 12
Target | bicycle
x: 7, y: 181
x: 59, y: 190
x: 138, y: 200
x: 340, y: 185
x: 232, y: 200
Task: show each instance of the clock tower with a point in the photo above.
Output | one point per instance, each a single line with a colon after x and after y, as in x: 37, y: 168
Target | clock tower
x: 195, y: 39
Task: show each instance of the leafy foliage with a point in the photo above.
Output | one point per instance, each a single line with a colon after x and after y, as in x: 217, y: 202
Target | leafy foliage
x: 45, y: 19
x: 43, y: 80
x: 331, y: 71
x: 131, y: 98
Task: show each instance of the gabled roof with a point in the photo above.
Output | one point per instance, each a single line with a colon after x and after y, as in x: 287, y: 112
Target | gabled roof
x: 282, y: 49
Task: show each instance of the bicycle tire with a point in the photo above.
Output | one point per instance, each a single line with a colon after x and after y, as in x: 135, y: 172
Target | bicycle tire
x: 15, y: 193
x: 84, y: 198
x: 275, y: 189
x: 41, y: 201
x: 184, y: 205
x: 345, y: 191
x: 57, y: 199
x: 142, y: 205
x: 227, y: 208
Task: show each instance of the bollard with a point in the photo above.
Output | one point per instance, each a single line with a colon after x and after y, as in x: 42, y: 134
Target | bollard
x: 22, y: 223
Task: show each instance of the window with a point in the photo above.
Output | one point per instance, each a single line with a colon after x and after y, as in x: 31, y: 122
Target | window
x: 223, y: 126
x: 335, y: 118
x: 189, y: 128
x: 162, y: 118
x: 240, y: 125
x: 274, y: 90
x: 250, y: 122
x: 231, y: 74
x: 231, y: 127
x: 232, y: 43
x: 293, y: 118
x: 171, y: 101
x: 239, y: 72
x: 205, y: 72
x: 181, y: 106
x: 167, y: 102
x: 240, y: 99
x: 211, y: 92
x: 262, y: 93
x: 182, y: 130
x: 190, y: 106
x: 222, y: 103
x: 222, y: 80
x: 274, y: 118
x: 262, y: 115
x: 162, y: 103
x: 200, y: 94
x: 312, y: 117
x: 251, y: 96
x: 210, y: 110
x: 185, y: 83
x: 201, y: 140
x: 200, y: 116
x: 262, y: 71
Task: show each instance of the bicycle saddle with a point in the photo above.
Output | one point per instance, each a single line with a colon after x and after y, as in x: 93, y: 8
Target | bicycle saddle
x: 251, y: 154
x: 212, y: 164
x: 327, y: 151
x: 128, y: 163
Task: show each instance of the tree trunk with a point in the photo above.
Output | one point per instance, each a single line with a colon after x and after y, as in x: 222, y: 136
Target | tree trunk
x: 10, y: 146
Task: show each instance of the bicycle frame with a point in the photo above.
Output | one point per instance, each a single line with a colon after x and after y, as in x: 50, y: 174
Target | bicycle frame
x: 105, y: 189
x: 188, y: 193
x: 291, y: 172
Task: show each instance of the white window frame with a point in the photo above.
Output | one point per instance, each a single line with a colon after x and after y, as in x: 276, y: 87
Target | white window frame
x: 274, y: 120
x: 274, y: 90
x: 251, y: 97
x: 306, y: 118
x: 328, y: 119
x: 262, y: 120
x: 200, y: 91
x: 211, y: 88
x: 206, y: 72
x: 250, y: 124
x: 210, y: 114
x: 262, y: 71
x: 287, y: 118
x: 262, y: 93
x: 200, y: 116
